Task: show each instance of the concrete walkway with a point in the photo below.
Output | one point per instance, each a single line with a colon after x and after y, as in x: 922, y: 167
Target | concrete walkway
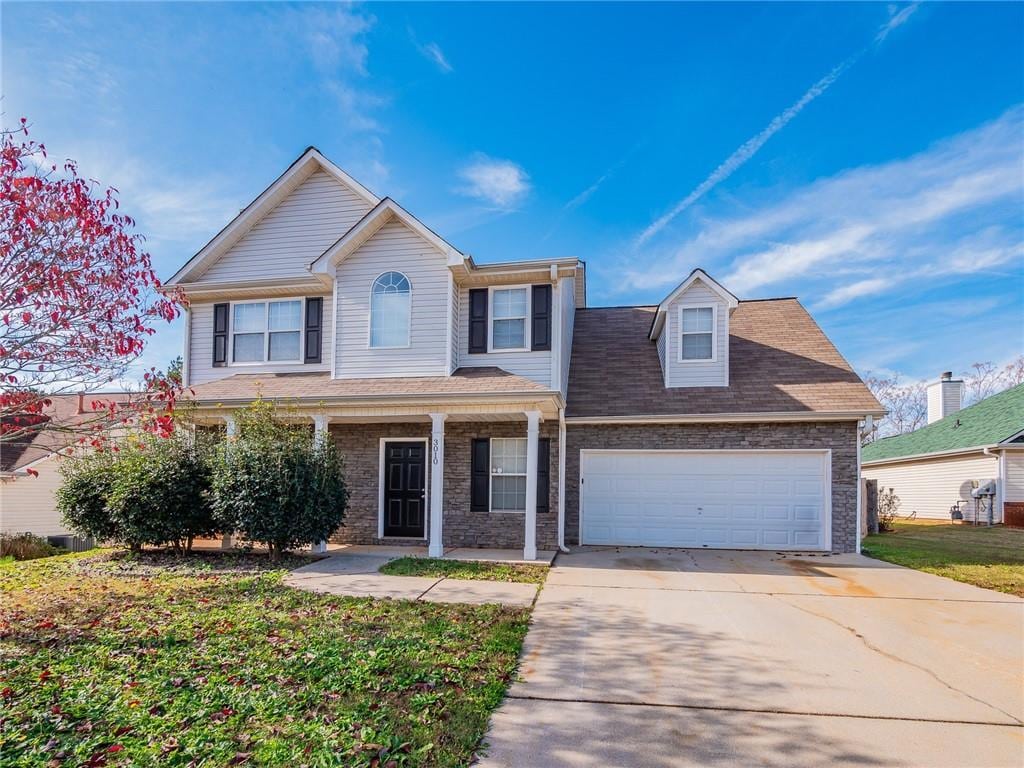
x: 355, y: 573
x: 659, y: 658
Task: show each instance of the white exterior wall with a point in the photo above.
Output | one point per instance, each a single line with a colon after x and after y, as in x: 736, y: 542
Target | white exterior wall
x: 532, y: 365
x: 710, y: 374
x: 566, y: 321
x: 1013, y: 489
x: 200, y: 352
x: 944, y: 398
x: 28, y: 504
x: 294, y: 234
x: 931, y: 487
x: 394, y: 248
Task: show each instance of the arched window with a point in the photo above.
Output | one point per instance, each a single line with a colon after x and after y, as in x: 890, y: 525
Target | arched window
x: 390, y: 301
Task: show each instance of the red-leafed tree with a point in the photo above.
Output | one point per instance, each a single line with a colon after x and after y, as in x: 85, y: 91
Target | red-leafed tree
x: 78, y: 299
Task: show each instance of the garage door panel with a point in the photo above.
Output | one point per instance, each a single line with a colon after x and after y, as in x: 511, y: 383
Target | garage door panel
x: 731, y: 499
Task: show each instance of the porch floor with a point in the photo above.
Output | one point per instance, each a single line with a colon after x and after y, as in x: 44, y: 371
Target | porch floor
x: 472, y: 554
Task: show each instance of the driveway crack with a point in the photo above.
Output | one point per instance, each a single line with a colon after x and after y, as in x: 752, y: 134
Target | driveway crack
x: 898, y: 659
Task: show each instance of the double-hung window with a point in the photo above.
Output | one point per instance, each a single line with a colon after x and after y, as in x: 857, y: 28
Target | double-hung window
x: 267, y: 331
x: 510, y: 311
x: 697, y: 333
x: 508, y: 474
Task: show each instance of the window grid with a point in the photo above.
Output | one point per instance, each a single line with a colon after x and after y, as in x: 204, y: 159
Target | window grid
x: 508, y: 474
x: 510, y: 308
x: 266, y: 331
x: 697, y: 334
x: 390, y: 300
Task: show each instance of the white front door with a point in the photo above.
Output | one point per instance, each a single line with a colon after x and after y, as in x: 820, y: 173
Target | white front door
x: 724, y: 499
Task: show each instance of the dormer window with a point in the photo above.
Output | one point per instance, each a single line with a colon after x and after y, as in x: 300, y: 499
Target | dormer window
x: 697, y: 334
x: 390, y: 305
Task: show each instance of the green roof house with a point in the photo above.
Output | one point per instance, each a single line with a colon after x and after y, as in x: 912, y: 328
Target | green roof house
x: 937, y: 466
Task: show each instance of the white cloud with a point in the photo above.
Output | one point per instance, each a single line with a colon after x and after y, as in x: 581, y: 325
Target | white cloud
x: 857, y: 290
x: 499, y: 183
x: 953, y: 209
x: 434, y: 53
x: 750, y: 148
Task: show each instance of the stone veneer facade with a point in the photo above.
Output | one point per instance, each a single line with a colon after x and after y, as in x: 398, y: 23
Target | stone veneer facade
x: 840, y: 437
x: 359, y: 445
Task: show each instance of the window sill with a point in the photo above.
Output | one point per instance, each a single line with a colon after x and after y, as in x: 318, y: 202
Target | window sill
x: 506, y: 511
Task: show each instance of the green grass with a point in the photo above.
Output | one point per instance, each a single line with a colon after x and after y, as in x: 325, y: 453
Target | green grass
x: 464, y: 569
x: 103, y: 662
x: 992, y: 558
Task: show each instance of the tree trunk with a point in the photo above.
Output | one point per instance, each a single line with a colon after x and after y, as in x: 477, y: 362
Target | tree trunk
x: 188, y: 544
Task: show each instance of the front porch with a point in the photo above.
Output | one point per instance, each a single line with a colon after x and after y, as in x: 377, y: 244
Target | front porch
x: 490, y: 468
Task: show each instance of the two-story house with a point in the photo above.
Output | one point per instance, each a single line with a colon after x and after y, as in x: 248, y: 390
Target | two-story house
x: 486, y: 404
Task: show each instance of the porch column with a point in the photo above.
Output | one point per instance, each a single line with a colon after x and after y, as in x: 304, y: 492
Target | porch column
x: 228, y: 540
x: 319, y: 436
x: 532, y: 438
x: 436, y: 544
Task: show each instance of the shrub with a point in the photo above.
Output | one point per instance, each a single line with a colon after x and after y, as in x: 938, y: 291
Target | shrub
x: 82, y: 498
x: 888, y: 506
x: 26, y: 546
x: 159, y: 492
x: 276, y: 485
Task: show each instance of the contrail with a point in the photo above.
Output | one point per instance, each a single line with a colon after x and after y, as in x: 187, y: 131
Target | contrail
x: 750, y: 148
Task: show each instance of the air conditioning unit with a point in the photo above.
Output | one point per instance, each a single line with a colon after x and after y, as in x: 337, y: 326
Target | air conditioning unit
x: 72, y: 543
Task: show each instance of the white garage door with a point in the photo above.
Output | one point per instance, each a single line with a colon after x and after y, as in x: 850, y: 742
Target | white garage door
x: 725, y: 499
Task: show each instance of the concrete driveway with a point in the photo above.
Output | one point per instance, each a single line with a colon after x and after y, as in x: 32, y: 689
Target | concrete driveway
x: 644, y: 657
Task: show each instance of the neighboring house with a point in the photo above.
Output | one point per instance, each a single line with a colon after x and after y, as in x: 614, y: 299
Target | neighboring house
x: 30, y: 465
x: 934, y: 467
x: 485, y: 405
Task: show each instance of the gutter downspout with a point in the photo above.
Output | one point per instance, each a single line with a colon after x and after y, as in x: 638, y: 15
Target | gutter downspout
x: 862, y: 432
x: 561, y: 481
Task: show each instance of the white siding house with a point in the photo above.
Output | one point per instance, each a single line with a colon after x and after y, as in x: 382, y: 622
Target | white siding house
x: 28, y: 505
x: 927, y: 489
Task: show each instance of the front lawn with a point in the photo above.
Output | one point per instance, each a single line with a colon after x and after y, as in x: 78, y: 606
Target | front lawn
x: 212, y: 661
x: 992, y: 558
x: 465, y: 569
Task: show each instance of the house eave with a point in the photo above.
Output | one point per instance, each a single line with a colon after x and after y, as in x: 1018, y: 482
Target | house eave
x: 723, y: 418
x: 933, y: 455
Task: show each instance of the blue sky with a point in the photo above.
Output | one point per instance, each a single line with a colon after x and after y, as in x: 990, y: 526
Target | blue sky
x: 868, y: 158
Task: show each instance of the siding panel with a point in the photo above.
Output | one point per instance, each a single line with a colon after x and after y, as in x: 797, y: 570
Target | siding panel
x: 567, y: 320
x: 533, y: 365
x: 930, y: 488
x: 1014, y: 490
x: 394, y: 247
x: 200, y: 365
x: 290, y: 237
x: 698, y: 374
x: 28, y: 504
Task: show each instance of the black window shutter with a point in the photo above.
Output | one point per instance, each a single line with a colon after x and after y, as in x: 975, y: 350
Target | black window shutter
x: 477, y: 321
x: 314, y: 329
x: 220, y: 334
x: 543, y: 473
x: 480, y: 476
x: 540, y: 335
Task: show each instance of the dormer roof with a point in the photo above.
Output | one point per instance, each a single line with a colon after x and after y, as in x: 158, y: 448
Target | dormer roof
x: 697, y: 274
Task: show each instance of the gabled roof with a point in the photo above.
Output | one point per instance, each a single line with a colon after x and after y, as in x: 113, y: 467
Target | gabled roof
x: 994, y: 420
x: 694, y: 276
x: 383, y: 212
x: 304, y: 166
x: 780, y: 363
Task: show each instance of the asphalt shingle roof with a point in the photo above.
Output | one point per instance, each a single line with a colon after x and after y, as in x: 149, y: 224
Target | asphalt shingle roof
x: 991, y: 421
x: 780, y: 361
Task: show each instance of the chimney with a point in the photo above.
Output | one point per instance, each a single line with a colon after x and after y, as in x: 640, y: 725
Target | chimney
x: 944, y: 397
x: 81, y: 402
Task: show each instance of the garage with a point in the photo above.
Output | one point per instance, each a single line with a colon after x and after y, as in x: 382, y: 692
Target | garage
x: 748, y: 499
